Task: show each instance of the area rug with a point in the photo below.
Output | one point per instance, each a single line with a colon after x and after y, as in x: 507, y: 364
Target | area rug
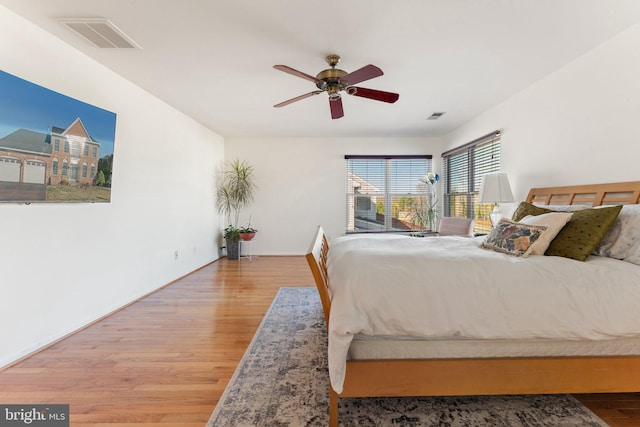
x: 282, y: 380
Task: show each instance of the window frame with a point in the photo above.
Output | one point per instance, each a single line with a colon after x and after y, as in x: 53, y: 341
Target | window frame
x: 386, y: 195
x: 483, y: 156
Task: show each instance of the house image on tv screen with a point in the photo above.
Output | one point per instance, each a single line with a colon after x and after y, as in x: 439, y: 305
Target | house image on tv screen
x: 30, y: 161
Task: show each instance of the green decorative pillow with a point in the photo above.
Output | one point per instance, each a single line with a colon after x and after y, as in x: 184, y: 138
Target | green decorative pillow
x: 583, y: 232
x: 513, y: 238
x: 525, y: 208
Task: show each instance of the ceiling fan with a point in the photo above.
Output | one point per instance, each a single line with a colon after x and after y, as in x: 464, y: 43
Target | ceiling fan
x: 333, y: 81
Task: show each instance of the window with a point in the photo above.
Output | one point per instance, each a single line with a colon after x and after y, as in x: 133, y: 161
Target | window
x: 384, y: 193
x: 93, y: 170
x: 56, y: 144
x: 84, y: 170
x: 363, y: 203
x: 66, y: 146
x: 75, y: 149
x: 462, y: 170
x: 85, y: 151
x: 54, y: 171
x: 65, y: 167
x: 94, y: 151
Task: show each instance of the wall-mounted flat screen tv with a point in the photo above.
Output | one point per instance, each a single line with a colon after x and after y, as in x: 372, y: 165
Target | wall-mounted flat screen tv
x: 53, y: 148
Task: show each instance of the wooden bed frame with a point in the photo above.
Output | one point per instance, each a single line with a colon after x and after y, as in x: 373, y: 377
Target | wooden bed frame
x: 484, y: 376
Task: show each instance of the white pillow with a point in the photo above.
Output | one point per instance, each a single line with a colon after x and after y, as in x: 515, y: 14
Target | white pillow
x: 563, y: 208
x: 623, y: 239
x: 554, y: 221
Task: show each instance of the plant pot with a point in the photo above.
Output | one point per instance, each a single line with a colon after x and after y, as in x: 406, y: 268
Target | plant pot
x: 247, y: 236
x: 233, y: 246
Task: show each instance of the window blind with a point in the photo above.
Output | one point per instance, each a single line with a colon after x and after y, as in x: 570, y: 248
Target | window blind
x: 384, y: 193
x: 463, y: 169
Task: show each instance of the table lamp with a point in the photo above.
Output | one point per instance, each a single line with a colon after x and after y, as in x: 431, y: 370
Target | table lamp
x: 495, y: 189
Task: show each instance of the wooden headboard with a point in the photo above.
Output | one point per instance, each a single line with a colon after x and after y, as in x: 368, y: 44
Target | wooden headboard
x: 615, y: 193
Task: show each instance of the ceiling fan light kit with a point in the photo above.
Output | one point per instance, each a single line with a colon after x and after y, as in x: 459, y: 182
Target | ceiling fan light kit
x: 334, y: 80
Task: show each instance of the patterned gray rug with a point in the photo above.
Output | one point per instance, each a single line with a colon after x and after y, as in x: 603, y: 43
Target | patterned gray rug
x: 282, y: 380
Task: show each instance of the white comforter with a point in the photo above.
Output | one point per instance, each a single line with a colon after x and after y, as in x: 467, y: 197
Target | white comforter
x: 391, y: 285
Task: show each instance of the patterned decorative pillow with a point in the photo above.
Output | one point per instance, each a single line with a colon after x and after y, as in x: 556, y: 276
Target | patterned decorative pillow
x: 583, y: 232
x: 623, y: 239
x: 554, y: 221
x: 513, y: 238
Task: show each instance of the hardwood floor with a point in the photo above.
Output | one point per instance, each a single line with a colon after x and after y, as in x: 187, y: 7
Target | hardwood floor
x: 166, y: 359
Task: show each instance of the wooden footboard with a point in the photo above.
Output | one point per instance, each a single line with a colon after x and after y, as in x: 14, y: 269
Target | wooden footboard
x: 317, y: 259
x: 482, y: 376
x: 478, y: 376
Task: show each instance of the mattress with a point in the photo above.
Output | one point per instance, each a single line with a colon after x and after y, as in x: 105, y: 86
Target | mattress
x: 365, y: 347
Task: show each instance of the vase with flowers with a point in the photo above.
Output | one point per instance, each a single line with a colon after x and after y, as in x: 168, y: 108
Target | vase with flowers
x: 426, y: 213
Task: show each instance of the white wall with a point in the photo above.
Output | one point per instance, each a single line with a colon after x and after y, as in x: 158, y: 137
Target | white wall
x: 301, y: 183
x: 65, y: 265
x: 578, y: 125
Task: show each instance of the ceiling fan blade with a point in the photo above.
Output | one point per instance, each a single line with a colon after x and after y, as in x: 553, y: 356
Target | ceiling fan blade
x: 377, y: 95
x: 297, y: 98
x: 365, y: 73
x: 294, y: 72
x: 336, y: 108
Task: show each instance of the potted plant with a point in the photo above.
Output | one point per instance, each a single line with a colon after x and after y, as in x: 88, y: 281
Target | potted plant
x: 247, y: 233
x: 234, y: 193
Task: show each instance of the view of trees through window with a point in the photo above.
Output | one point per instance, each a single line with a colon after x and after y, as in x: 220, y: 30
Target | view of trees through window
x: 461, y: 204
x: 463, y: 169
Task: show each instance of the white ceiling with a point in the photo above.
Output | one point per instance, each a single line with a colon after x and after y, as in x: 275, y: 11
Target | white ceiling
x: 212, y: 59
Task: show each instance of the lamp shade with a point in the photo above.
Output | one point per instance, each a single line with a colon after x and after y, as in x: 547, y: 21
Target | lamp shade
x: 495, y: 188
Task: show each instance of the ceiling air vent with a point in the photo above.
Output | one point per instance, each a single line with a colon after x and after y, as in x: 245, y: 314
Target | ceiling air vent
x: 435, y: 116
x: 100, y: 32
